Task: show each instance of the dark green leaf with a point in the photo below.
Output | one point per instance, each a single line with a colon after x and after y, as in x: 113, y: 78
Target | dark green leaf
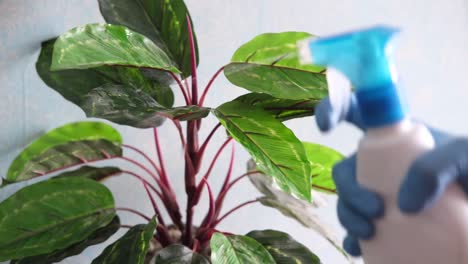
x: 95, y: 45
x: 69, y: 144
x: 238, y: 250
x: 283, y: 248
x: 52, y: 215
x: 73, y: 85
x: 179, y: 254
x: 275, y: 147
x: 93, y: 173
x: 322, y: 159
x: 162, y: 21
x: 134, y: 108
x: 131, y: 248
x: 269, y: 64
x: 99, y: 236
x: 281, y: 109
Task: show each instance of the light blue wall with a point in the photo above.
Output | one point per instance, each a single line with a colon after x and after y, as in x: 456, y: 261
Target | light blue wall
x: 433, y: 61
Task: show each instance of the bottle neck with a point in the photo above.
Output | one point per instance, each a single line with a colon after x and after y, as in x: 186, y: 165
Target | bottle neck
x: 380, y: 106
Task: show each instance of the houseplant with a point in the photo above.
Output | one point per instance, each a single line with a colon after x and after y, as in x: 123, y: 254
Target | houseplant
x: 123, y: 72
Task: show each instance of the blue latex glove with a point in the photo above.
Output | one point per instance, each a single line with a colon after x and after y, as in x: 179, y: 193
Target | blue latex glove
x: 427, y: 178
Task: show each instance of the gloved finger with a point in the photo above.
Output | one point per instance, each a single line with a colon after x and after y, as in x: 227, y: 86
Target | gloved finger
x: 355, y: 224
x: 361, y: 200
x: 328, y: 118
x: 431, y: 173
x: 351, y: 245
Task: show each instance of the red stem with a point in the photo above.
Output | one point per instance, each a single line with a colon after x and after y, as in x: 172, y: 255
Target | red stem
x: 181, y: 86
x: 207, y: 88
x: 193, y: 61
x: 163, y: 175
x: 213, y: 162
x: 187, y: 88
x: 156, y: 168
x: 177, y: 125
x: 134, y: 212
x: 207, y: 140
x: 144, y: 181
x: 232, y: 211
x: 155, y: 206
x: 212, y: 210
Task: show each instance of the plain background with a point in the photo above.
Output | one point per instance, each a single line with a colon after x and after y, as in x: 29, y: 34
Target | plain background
x: 432, y: 60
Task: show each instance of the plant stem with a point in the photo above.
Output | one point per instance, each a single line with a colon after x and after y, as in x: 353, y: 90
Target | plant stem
x: 207, y: 140
x: 232, y: 211
x: 164, y: 178
x: 210, y: 168
x: 212, y: 209
x: 144, y: 181
x: 207, y: 88
x: 191, y: 163
x: 225, y: 190
x: 153, y: 203
x: 136, y: 212
x: 181, y: 86
x: 139, y: 151
x: 193, y: 62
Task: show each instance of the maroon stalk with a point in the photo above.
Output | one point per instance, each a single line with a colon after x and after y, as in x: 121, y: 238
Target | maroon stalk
x: 139, y: 151
x: 192, y: 159
x: 207, y: 88
x: 181, y: 86
x: 164, y: 178
x: 153, y: 203
x: 212, y: 209
x: 207, y: 140
x: 232, y: 211
x: 133, y: 211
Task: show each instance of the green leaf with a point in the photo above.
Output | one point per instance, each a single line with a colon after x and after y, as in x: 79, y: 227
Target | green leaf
x: 269, y: 64
x: 281, y: 109
x: 134, y: 108
x: 99, y: 236
x: 283, y: 248
x: 93, y: 173
x: 95, y: 45
x: 322, y: 159
x: 162, y: 21
x: 131, y: 248
x: 238, y: 250
x: 52, y: 215
x: 69, y: 144
x: 179, y: 254
x: 74, y: 85
x: 275, y: 148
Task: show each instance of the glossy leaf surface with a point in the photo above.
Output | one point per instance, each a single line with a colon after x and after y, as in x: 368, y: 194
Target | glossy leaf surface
x: 162, y: 21
x: 131, y: 248
x: 237, y: 249
x: 134, y: 108
x: 99, y: 236
x: 52, y: 215
x: 322, y: 159
x: 93, y: 173
x: 269, y: 64
x: 65, y: 145
x: 275, y: 148
x: 283, y: 248
x: 95, y: 45
x: 281, y: 109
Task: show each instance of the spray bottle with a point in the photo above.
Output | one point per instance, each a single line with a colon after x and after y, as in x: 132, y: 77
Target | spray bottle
x: 392, y: 141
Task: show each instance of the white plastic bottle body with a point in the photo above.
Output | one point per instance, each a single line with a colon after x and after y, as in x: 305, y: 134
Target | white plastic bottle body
x: 435, y: 236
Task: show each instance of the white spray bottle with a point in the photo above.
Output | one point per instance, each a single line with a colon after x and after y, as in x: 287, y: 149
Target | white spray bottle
x: 391, y: 143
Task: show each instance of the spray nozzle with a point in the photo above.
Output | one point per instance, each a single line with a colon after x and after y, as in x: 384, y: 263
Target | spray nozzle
x: 362, y: 56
